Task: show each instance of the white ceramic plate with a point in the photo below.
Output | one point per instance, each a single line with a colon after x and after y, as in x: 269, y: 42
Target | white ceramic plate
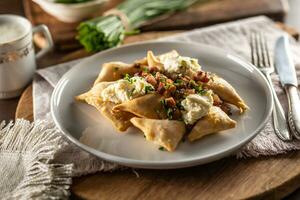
x: 84, y: 126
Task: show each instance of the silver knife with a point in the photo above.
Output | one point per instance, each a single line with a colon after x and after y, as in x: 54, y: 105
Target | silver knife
x: 287, y: 74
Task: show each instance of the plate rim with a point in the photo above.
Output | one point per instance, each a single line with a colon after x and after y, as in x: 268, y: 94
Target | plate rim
x: 160, y: 164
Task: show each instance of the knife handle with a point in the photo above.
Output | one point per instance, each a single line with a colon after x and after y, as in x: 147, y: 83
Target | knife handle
x: 294, y: 110
x: 279, y: 121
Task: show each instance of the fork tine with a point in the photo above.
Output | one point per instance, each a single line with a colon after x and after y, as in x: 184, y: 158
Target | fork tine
x: 267, y: 56
x: 259, y: 46
x: 260, y: 53
x: 264, y: 50
x: 253, y: 46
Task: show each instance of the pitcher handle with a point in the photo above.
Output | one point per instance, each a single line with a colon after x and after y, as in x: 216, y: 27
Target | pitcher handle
x: 45, y: 31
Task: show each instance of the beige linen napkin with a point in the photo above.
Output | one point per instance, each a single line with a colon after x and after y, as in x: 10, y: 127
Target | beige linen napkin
x: 26, y: 152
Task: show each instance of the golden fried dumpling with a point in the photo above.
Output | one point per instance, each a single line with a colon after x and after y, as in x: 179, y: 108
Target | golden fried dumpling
x: 155, y: 61
x: 92, y: 96
x: 113, y: 71
x: 147, y: 106
x: 166, y: 133
x: 226, y: 92
x: 216, y: 120
x: 121, y: 120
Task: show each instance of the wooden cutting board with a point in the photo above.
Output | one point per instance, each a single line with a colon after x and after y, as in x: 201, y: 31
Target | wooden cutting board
x: 202, y: 14
x: 229, y: 178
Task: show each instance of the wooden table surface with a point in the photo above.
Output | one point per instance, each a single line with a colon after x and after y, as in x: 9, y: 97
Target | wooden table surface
x: 86, y: 186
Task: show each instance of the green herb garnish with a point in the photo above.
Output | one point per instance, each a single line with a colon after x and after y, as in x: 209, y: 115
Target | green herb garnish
x: 108, y: 31
x: 170, y: 113
x: 199, y: 90
x: 148, y: 89
x: 179, y: 106
x: 145, y: 69
x: 163, y: 103
x: 127, y: 77
x: 162, y: 79
x: 202, y: 92
x: 162, y: 149
x: 192, y: 83
x: 168, y: 85
x: 179, y: 81
x: 131, y: 92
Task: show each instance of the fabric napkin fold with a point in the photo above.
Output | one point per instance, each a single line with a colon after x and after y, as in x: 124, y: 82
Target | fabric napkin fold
x: 232, y: 37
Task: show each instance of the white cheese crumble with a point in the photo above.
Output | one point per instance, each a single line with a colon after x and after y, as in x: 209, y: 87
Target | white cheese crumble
x: 124, y: 90
x: 196, y: 106
x: 174, y: 63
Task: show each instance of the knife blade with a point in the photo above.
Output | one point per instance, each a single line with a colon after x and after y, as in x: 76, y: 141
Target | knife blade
x: 287, y: 74
x: 284, y: 63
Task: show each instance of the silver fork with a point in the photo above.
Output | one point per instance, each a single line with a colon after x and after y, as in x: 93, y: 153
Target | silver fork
x: 262, y: 59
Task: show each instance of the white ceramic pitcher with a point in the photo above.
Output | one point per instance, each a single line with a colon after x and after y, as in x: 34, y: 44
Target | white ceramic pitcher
x: 17, y: 56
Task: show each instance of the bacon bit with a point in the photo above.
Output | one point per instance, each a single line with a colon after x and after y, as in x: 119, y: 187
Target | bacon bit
x: 186, y: 79
x: 170, y: 102
x: 172, y: 88
x: 197, y: 78
x: 201, y: 76
x: 150, y: 79
x: 161, y: 88
x: 169, y: 81
x: 205, y: 79
x: 217, y: 100
x: 144, y: 74
x: 190, y: 91
x: 154, y: 69
x: 169, y: 90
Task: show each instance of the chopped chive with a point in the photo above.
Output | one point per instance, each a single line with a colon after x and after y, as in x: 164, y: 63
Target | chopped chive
x: 130, y: 93
x: 127, y: 77
x: 202, y: 92
x: 170, y: 113
x: 145, y: 69
x: 148, y: 89
x: 161, y: 148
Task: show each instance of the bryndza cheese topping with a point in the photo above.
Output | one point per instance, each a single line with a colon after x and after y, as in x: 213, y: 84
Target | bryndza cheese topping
x: 196, y: 106
x: 180, y: 64
x: 125, y: 90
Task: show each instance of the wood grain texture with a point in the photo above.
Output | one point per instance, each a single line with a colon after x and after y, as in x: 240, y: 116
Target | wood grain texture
x: 25, y: 105
x: 228, y: 178
x: 220, y: 11
x: 210, y: 12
